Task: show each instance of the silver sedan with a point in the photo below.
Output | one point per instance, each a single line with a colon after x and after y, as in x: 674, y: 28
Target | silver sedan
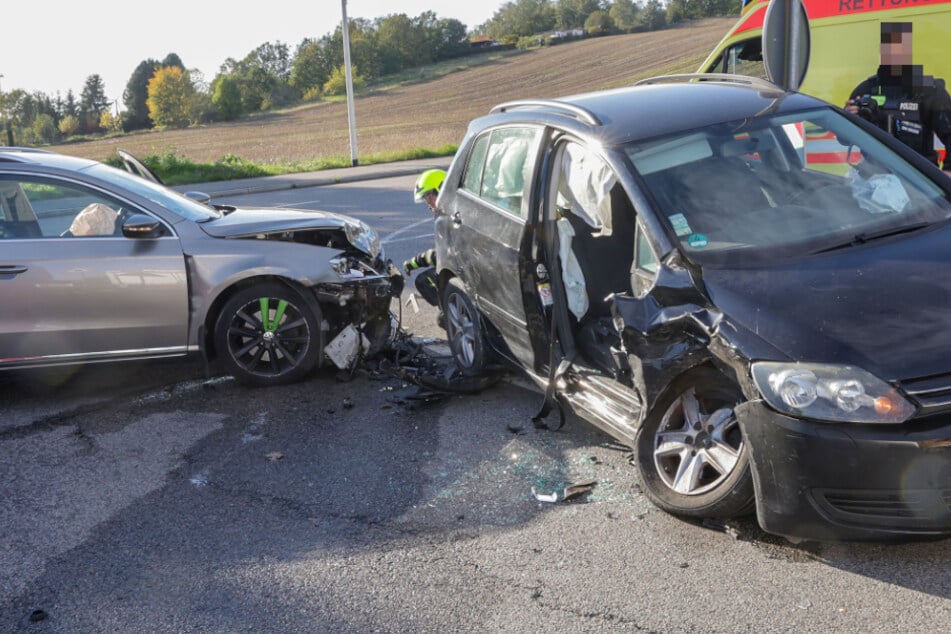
x: 98, y: 264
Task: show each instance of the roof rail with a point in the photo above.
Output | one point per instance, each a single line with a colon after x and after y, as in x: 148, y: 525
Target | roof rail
x: 563, y: 107
x: 754, y: 82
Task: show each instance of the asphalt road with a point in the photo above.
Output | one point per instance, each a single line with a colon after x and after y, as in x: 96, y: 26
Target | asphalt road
x: 149, y: 498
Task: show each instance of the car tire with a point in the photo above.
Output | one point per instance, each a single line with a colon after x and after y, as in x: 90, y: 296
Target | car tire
x: 258, y: 353
x: 691, y: 455
x: 464, y: 330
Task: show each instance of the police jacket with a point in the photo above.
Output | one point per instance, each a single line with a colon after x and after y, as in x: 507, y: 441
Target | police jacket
x: 913, y: 107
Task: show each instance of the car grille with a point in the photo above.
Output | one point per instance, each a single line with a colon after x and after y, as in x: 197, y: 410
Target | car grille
x: 933, y: 393
x: 885, y: 505
x: 914, y: 510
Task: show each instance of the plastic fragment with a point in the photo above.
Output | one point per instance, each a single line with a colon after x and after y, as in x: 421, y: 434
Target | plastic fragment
x: 723, y: 527
x: 569, y: 492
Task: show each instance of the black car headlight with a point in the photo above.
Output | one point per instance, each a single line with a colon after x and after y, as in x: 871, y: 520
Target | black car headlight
x: 834, y: 393
x: 363, y: 237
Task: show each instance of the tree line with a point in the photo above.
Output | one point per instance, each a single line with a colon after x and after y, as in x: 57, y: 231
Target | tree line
x: 165, y: 94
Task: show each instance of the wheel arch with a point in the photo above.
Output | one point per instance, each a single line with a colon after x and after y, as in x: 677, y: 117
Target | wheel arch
x: 658, y: 384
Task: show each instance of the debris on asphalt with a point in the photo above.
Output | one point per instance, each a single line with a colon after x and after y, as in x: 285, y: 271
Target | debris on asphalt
x: 422, y: 363
x: 38, y: 615
x: 723, y: 527
x: 274, y: 456
x: 545, y: 497
x: 345, y: 347
x: 577, y: 490
x: 568, y: 493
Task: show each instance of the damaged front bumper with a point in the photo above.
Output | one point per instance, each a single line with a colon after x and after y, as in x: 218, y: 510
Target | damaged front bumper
x: 834, y: 481
x: 361, y: 293
x: 357, y: 312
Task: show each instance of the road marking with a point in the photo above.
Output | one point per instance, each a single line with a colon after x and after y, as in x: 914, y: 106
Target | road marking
x: 408, y: 238
x: 390, y: 237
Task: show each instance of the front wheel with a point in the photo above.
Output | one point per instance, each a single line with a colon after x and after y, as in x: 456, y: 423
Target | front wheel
x: 269, y: 334
x: 690, y: 451
x: 464, y: 330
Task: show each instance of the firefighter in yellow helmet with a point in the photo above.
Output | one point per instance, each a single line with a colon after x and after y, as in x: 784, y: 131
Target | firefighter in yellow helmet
x: 427, y: 189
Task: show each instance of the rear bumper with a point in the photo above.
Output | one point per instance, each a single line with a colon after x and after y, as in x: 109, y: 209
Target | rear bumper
x: 835, y: 481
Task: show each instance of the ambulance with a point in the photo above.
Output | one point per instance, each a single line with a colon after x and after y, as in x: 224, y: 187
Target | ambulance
x: 844, y: 46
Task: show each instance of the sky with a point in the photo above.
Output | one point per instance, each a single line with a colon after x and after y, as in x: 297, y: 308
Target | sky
x: 50, y: 48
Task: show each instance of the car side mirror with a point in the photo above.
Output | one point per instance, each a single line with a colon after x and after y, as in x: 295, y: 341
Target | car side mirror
x: 142, y: 226
x: 201, y: 197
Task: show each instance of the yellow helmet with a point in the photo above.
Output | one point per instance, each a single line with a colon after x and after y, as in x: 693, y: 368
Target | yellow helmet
x: 430, y: 180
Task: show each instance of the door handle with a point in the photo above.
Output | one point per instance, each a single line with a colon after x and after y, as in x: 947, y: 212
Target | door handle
x: 456, y: 219
x: 12, y: 269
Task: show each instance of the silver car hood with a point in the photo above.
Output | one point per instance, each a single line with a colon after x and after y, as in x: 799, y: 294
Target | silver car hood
x: 250, y: 221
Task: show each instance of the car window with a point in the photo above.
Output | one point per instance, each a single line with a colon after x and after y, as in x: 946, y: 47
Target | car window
x: 500, y: 166
x: 473, y: 176
x: 743, y: 58
x: 167, y: 198
x: 782, y: 184
x: 40, y: 208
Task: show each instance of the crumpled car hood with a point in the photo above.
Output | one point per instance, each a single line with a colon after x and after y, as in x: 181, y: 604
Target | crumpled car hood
x: 884, y: 306
x: 249, y: 221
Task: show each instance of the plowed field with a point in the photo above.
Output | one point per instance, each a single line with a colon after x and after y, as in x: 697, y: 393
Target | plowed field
x: 434, y: 113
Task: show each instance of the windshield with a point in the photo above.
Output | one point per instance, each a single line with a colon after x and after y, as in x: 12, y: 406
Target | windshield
x: 786, y: 185
x: 159, y: 194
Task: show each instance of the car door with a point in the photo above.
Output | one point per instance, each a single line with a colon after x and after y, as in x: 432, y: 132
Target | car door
x: 73, y: 288
x: 488, y: 224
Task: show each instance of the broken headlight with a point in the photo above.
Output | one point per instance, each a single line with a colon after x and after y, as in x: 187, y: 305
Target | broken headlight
x: 833, y: 393
x: 363, y: 237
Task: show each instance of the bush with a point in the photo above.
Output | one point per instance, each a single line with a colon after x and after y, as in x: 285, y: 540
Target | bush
x: 529, y: 41
x: 337, y: 84
x: 44, y: 130
x: 227, y: 99
x: 69, y: 125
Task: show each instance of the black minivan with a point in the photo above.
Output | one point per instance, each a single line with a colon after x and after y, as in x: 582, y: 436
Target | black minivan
x: 748, y: 285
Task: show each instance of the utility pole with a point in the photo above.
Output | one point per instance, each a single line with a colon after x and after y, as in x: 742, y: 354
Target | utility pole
x: 351, y: 115
x: 3, y: 114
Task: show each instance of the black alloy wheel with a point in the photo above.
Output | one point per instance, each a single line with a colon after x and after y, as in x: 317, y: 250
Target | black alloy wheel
x: 269, y: 334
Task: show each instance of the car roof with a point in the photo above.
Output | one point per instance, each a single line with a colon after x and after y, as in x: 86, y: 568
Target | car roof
x: 658, y: 106
x: 34, y: 156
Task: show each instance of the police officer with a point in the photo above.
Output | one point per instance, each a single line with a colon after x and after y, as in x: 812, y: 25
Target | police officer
x: 903, y: 101
x: 427, y: 189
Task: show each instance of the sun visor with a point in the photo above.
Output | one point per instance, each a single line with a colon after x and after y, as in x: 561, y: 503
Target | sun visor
x: 663, y: 156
